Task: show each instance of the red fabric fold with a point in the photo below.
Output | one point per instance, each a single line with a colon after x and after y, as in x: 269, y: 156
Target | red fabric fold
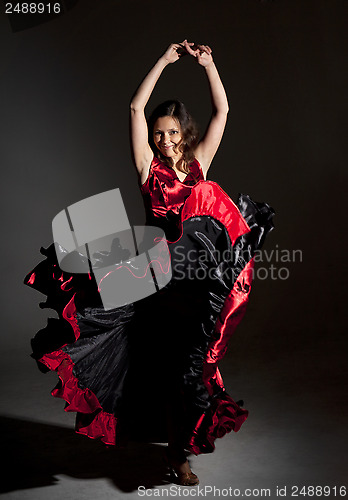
x: 207, y: 198
x: 69, y: 314
x: 229, y: 318
x: 83, y: 401
x: 223, y: 416
x: 101, y: 424
x: 163, y: 189
x: 103, y: 427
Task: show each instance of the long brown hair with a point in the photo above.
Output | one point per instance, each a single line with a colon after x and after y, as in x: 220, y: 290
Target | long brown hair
x: 188, y: 129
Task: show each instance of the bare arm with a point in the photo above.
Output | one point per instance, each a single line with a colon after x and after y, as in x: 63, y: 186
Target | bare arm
x: 141, y: 151
x: 210, y: 142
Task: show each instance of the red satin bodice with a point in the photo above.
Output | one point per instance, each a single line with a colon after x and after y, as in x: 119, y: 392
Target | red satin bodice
x: 163, y: 192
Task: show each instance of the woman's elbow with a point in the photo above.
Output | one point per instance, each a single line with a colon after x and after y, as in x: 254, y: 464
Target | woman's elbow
x: 226, y: 107
x: 221, y: 111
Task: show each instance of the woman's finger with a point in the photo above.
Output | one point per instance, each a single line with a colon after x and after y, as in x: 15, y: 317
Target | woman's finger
x: 188, y: 48
x: 207, y: 49
x: 204, y: 48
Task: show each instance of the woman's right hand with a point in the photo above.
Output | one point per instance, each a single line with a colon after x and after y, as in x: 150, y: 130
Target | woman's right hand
x: 174, y: 52
x: 202, y: 53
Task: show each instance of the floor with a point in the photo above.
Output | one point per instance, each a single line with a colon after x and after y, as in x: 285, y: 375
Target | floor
x: 295, y: 436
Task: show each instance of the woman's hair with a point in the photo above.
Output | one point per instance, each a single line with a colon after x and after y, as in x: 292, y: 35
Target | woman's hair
x: 188, y: 129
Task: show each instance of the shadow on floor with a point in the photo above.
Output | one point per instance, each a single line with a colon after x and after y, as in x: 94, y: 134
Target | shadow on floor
x: 34, y: 453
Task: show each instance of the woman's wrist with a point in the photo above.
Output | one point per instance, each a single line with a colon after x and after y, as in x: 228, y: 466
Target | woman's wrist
x: 163, y: 61
x: 209, y: 66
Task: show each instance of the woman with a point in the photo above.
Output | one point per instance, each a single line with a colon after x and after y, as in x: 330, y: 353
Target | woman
x: 178, y: 148
x: 149, y: 370
x: 167, y: 135
x: 172, y: 167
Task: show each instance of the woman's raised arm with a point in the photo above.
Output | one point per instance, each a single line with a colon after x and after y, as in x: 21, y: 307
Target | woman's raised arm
x: 210, y: 142
x: 141, y: 151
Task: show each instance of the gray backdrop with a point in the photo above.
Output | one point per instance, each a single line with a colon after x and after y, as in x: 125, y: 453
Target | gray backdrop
x: 66, y: 87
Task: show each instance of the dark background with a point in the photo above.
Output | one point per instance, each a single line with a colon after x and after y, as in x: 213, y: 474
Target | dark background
x: 66, y: 85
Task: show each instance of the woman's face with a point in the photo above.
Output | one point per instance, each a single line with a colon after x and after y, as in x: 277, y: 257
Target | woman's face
x: 166, y: 135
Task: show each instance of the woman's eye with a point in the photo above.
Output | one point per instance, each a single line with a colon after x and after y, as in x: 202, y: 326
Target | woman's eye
x: 173, y: 132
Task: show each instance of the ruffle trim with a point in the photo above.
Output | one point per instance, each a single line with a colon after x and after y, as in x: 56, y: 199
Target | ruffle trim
x: 203, y: 201
x: 229, y: 318
x: 62, y: 289
x: 99, y: 424
x: 224, y: 416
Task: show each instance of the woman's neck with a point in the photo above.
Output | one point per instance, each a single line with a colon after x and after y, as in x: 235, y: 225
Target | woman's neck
x: 179, y: 164
x: 176, y: 161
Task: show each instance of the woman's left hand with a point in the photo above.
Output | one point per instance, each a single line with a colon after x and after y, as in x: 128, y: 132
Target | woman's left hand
x: 202, y: 53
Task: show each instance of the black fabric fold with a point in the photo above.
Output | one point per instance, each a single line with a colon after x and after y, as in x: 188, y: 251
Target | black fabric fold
x: 101, y: 353
x: 141, y: 358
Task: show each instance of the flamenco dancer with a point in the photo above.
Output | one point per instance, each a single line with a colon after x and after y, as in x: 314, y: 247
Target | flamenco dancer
x: 149, y: 370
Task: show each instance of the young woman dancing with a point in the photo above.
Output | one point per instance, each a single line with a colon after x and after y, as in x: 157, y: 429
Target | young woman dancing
x: 149, y: 370
x: 171, y: 161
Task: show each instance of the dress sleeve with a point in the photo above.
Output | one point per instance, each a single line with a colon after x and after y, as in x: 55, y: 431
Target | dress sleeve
x: 200, y: 170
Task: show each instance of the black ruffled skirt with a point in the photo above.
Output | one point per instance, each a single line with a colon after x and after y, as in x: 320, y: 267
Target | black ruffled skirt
x: 124, y: 370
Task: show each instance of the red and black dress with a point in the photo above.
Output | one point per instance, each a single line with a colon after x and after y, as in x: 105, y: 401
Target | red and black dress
x: 121, y: 369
